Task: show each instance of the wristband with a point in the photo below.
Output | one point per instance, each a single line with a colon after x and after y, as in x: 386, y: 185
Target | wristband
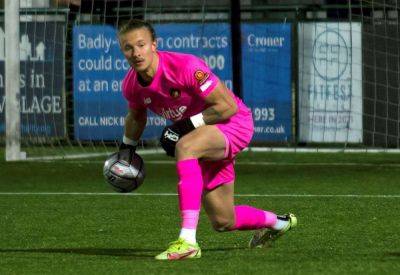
x: 129, y: 141
x: 197, y: 120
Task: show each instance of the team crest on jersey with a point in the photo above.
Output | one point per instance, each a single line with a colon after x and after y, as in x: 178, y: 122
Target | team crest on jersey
x: 201, y: 76
x: 174, y: 93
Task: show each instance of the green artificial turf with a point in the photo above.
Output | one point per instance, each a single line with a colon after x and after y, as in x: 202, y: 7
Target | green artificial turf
x: 56, y: 219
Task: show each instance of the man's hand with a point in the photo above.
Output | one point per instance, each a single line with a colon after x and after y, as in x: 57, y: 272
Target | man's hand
x: 172, y: 133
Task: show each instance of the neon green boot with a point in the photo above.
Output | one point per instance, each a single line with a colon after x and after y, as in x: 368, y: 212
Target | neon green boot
x: 179, y: 250
x: 266, y: 236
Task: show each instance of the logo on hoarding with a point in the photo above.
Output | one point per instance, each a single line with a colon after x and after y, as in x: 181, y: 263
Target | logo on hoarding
x: 330, y: 55
x: 25, y: 48
x: 265, y: 41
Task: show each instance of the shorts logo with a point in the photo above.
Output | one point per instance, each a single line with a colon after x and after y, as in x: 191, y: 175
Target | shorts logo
x: 174, y: 93
x: 171, y: 135
x: 201, y: 76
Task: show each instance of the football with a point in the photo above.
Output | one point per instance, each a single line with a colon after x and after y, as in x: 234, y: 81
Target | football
x: 124, y: 177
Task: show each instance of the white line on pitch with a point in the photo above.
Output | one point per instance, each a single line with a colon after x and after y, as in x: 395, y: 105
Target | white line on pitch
x: 255, y: 163
x: 174, y: 194
x: 267, y: 163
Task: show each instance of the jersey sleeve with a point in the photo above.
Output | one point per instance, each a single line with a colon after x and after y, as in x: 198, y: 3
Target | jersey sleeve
x: 129, y: 94
x: 199, y: 78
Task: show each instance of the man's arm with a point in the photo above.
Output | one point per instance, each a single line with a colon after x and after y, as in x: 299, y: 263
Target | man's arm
x: 135, y: 122
x: 221, y: 105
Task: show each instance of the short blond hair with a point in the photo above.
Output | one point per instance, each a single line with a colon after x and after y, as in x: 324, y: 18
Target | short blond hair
x: 134, y: 24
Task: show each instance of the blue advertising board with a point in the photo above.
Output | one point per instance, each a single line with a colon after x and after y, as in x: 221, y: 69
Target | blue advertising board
x: 266, y: 78
x: 211, y: 42
x: 99, y: 67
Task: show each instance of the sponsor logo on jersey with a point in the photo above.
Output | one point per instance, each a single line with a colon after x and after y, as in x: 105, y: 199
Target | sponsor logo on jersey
x: 201, y: 76
x: 147, y: 100
x: 174, y: 93
x: 173, y: 114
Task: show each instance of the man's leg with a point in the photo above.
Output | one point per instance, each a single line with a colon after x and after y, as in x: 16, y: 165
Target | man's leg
x: 219, y: 206
x: 225, y: 216
x: 204, y: 142
x: 209, y: 143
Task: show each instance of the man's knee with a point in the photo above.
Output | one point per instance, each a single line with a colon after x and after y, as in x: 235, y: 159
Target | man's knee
x: 222, y: 224
x: 185, y: 146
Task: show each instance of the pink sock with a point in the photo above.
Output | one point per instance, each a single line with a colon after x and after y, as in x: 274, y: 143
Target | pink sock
x: 190, y: 188
x: 247, y: 218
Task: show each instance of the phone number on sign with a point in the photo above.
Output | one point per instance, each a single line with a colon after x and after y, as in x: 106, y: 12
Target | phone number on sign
x: 215, y: 61
x: 264, y: 114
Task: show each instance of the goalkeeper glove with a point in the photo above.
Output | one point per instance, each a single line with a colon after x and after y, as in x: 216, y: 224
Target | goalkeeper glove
x: 127, y: 149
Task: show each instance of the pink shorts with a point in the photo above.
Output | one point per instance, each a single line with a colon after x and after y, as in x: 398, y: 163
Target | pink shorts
x: 238, y: 131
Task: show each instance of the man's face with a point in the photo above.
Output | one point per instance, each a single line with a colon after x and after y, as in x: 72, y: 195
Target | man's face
x: 138, y: 48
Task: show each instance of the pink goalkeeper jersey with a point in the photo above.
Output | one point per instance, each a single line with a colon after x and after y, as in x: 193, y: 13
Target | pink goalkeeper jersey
x: 178, y: 88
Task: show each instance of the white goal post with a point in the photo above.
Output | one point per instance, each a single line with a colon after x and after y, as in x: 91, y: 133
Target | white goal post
x: 12, y: 76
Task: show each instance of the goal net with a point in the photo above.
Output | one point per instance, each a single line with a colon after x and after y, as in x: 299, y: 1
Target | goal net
x: 348, y: 86
x: 316, y: 74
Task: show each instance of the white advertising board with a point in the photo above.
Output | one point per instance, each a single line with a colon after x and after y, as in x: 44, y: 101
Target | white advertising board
x: 330, y: 82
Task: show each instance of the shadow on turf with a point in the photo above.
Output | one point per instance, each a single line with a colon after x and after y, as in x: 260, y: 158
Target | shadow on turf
x: 392, y: 254
x: 120, y: 252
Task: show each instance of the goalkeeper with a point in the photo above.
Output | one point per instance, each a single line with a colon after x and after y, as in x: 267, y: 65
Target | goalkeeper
x: 210, y: 127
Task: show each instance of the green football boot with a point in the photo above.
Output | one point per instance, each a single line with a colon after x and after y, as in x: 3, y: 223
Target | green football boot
x: 179, y: 250
x: 266, y: 236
